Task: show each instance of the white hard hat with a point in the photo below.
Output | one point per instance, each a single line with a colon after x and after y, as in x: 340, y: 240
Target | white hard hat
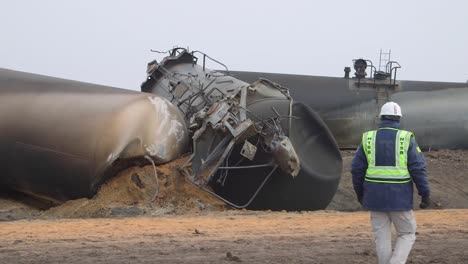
x: 390, y: 109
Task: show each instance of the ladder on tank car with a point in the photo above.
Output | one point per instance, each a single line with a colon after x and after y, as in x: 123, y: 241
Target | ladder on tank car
x: 387, y: 68
x: 384, y: 59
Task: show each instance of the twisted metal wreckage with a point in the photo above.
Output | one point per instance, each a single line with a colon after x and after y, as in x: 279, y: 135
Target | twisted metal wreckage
x: 244, y: 134
x: 251, y: 143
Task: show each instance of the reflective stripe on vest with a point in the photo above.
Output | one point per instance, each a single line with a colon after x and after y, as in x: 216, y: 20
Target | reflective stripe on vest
x: 387, y: 174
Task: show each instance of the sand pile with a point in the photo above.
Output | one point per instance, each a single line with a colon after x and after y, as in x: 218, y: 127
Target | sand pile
x: 135, y: 191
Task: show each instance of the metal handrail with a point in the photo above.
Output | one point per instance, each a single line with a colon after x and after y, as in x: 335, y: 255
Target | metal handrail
x: 393, y: 70
x: 206, y: 56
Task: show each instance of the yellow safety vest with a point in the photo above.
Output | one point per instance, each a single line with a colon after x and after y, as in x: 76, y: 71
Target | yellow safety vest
x: 387, y: 174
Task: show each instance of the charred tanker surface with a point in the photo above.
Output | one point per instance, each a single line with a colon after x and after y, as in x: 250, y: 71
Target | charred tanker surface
x: 252, y: 143
x: 60, y: 139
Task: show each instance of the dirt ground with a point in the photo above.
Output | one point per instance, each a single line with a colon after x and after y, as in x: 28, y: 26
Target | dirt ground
x: 226, y: 237
x: 138, y: 218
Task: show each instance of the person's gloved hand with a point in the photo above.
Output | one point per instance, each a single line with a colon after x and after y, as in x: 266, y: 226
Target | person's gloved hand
x: 425, y: 202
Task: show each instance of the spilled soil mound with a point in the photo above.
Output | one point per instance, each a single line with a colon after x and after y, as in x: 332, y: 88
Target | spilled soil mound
x: 134, y: 191
x: 141, y: 191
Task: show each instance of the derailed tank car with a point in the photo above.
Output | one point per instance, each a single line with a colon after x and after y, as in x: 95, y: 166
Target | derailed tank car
x: 252, y: 143
x: 434, y: 111
x: 60, y: 139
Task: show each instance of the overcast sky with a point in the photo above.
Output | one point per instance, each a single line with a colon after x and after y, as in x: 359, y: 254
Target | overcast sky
x: 109, y: 41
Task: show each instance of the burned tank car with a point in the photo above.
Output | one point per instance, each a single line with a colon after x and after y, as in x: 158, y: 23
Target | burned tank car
x: 60, y: 139
x: 252, y: 143
x: 434, y: 111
